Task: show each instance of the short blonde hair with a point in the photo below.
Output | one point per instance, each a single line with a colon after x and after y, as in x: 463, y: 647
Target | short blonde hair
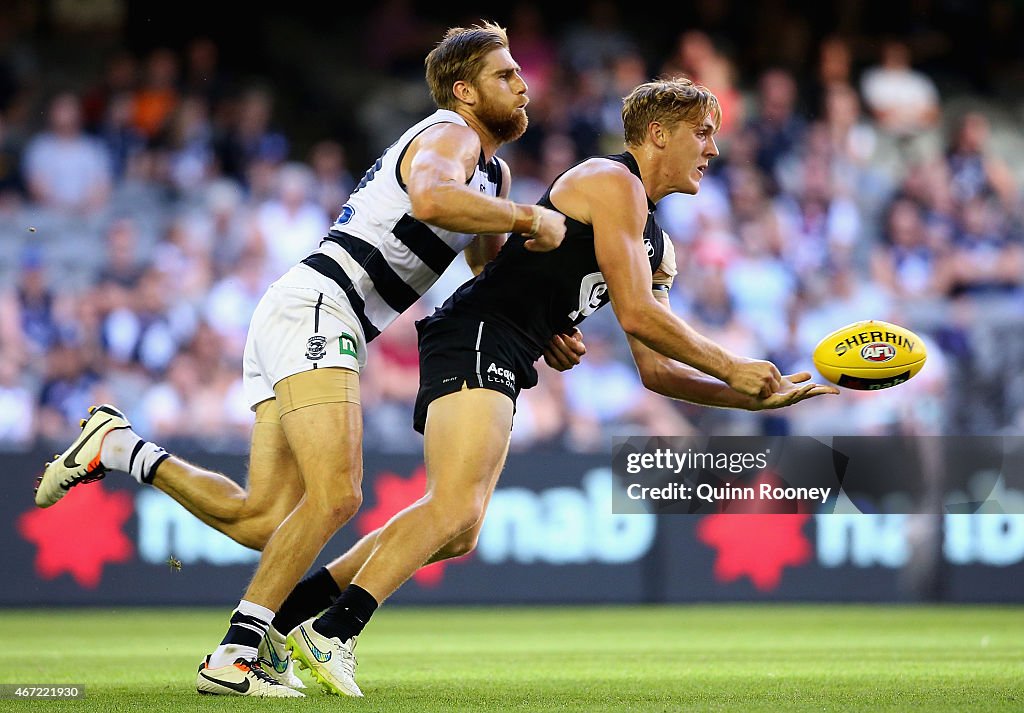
x: 668, y: 101
x: 459, y: 57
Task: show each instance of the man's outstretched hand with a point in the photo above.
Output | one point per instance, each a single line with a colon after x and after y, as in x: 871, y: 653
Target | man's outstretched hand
x: 793, y: 390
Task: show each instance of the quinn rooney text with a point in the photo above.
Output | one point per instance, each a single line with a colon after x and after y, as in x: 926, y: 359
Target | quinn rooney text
x: 710, y: 494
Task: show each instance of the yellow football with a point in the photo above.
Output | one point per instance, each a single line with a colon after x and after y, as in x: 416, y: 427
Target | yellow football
x: 869, y: 355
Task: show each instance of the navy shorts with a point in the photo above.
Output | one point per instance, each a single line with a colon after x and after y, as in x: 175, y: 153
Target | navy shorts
x: 457, y: 352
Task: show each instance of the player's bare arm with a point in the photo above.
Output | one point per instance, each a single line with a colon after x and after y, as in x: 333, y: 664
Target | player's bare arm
x: 609, y: 197
x: 485, y: 246
x: 435, y: 171
x: 679, y: 381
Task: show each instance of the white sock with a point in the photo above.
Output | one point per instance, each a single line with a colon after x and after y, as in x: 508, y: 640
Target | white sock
x: 249, y: 622
x: 227, y: 654
x: 123, y: 449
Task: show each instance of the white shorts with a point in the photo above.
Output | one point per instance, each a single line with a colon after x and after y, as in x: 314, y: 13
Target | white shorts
x: 295, y: 329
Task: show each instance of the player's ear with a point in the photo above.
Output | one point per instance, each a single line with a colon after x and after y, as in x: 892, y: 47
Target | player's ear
x: 658, y: 134
x: 464, y: 92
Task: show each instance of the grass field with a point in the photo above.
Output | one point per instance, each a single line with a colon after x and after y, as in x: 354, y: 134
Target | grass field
x: 742, y: 658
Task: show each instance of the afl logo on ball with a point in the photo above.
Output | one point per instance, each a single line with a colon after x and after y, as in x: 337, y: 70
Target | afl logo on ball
x: 877, y: 351
x: 316, y: 347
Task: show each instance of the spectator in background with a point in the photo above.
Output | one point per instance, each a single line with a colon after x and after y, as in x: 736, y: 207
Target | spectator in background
x: 391, y: 383
x: 332, y: 181
x: 12, y: 340
x: 147, y: 332
x: 157, y: 98
x: 697, y: 58
x: 906, y: 264
x: 122, y: 270
x: 67, y: 389
x: 605, y: 397
x: 17, y: 408
x: 902, y: 100
x: 986, y: 258
x: 203, y: 76
x: 975, y: 169
x: 248, y: 136
x: 226, y: 231
x: 190, y: 146
x: 117, y: 131
x: 776, y: 126
x: 536, y: 52
x: 231, y: 302
x: 761, y: 285
x: 541, y: 414
x: 119, y: 79
x: 35, y: 306
x: 184, y: 255
x: 164, y: 407
x: 291, y: 224
x: 65, y: 169
x: 594, y: 42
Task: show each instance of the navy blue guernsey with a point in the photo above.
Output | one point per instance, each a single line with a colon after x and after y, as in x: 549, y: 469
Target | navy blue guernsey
x: 537, y: 295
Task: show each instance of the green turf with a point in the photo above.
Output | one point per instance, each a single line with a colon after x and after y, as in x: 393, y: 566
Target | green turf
x: 742, y: 658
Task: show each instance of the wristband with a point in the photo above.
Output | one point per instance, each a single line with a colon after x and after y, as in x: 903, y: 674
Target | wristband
x: 525, y: 219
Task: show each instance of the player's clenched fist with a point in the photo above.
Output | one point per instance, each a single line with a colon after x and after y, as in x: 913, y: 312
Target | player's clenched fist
x: 756, y: 378
x: 549, y: 232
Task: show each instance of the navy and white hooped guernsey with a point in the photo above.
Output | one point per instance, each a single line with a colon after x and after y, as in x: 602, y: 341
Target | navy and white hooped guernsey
x: 381, y: 258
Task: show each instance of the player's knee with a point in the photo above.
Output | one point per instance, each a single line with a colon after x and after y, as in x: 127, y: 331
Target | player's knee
x: 464, y: 516
x: 339, y: 508
x: 461, y: 545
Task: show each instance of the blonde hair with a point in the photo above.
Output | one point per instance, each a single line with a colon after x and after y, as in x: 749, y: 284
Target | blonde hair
x: 668, y: 101
x: 459, y: 57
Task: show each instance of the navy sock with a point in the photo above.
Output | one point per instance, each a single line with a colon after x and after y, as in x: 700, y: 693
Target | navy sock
x: 245, y: 630
x: 310, y: 597
x: 348, y: 615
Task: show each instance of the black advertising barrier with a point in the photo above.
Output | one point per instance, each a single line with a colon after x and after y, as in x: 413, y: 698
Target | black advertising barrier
x: 550, y: 537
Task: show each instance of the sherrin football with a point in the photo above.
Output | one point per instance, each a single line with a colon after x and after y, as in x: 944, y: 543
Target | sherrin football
x: 870, y: 355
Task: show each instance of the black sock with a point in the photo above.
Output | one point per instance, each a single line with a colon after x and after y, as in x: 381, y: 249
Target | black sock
x: 245, y: 630
x: 348, y: 615
x: 310, y: 597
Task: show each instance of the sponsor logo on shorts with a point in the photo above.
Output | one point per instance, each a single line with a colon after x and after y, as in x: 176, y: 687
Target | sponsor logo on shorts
x: 878, y: 351
x: 316, y: 347
x: 347, y: 345
x: 501, y: 375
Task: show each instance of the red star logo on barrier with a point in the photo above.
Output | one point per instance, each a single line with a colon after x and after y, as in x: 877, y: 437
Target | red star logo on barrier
x: 80, y: 535
x: 393, y: 493
x: 756, y: 546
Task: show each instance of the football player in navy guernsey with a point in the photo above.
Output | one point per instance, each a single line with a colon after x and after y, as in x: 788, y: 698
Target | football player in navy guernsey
x: 439, y: 189
x: 478, y: 350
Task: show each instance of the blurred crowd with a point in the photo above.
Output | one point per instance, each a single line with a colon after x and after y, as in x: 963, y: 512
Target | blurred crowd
x: 144, y: 210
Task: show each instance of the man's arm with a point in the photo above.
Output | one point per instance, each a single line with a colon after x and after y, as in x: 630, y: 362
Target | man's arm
x: 435, y: 170
x: 679, y: 381
x: 485, y: 246
x: 616, y: 206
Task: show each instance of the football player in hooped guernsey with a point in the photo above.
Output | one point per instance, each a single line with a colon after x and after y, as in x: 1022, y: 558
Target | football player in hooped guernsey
x: 437, y: 190
x: 477, y: 351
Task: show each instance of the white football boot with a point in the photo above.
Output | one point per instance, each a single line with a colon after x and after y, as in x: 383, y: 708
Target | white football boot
x: 277, y: 659
x: 332, y: 662
x: 242, y: 678
x: 80, y: 463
